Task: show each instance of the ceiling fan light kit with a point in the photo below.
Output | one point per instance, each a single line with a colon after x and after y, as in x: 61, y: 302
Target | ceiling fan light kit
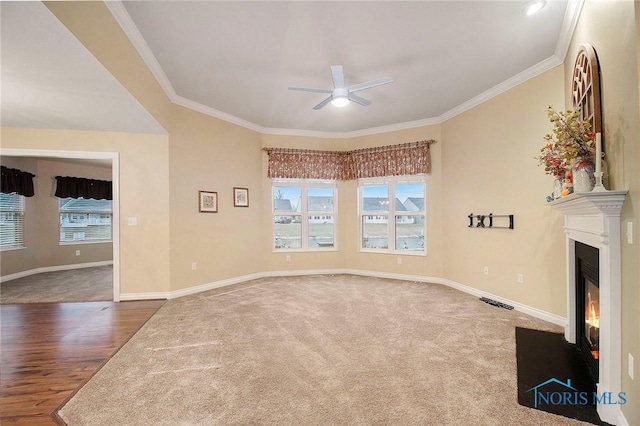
x: 340, y: 101
x: 340, y: 95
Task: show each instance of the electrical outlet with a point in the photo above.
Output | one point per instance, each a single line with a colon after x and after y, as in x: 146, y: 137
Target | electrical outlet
x: 630, y: 366
x: 132, y: 221
x: 520, y: 279
x: 288, y: 258
x: 194, y: 266
x: 399, y: 261
x: 630, y: 232
x: 486, y: 270
x: 77, y: 252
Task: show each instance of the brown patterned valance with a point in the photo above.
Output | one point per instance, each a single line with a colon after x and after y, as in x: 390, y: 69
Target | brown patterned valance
x: 392, y: 160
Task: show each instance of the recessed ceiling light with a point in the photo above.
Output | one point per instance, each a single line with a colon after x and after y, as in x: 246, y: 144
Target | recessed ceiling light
x: 534, y: 6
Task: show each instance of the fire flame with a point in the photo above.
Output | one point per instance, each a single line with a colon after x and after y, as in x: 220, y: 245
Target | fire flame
x: 592, y: 315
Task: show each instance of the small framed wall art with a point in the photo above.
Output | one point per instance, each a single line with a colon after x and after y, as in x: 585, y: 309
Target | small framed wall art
x: 208, y: 202
x: 240, y: 197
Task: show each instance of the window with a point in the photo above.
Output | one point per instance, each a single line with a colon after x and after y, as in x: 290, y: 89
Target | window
x: 392, y: 210
x: 304, y: 215
x: 11, y: 221
x: 84, y: 220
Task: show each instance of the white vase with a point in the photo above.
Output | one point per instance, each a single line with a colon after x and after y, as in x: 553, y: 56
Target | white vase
x: 557, y: 187
x: 583, y: 179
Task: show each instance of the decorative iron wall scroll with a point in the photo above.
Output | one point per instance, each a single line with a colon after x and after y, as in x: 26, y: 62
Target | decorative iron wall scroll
x: 495, y: 221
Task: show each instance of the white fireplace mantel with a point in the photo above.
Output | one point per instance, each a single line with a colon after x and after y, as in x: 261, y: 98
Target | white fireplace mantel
x: 593, y: 218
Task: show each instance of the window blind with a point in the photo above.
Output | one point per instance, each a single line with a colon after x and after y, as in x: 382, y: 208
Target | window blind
x: 11, y: 220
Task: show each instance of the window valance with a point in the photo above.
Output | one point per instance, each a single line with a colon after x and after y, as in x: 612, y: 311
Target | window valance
x: 14, y: 180
x: 75, y: 187
x: 392, y: 160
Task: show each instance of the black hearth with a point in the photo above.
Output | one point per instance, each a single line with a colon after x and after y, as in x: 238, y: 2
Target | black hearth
x: 588, y: 305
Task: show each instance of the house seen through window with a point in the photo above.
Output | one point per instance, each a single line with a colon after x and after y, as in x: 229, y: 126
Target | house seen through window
x: 304, y: 215
x: 84, y: 220
x: 392, y: 214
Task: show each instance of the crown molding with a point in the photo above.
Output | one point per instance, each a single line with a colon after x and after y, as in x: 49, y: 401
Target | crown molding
x: 212, y: 112
x: 123, y: 19
x: 571, y: 17
x: 354, y: 133
x: 518, y: 79
x: 572, y: 14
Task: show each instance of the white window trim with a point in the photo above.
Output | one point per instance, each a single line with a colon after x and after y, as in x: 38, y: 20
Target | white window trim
x: 390, y: 181
x: 304, y: 184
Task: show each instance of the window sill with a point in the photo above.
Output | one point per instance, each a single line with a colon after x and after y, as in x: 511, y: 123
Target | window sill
x: 73, y: 243
x: 12, y: 248
x: 298, y: 250
x: 395, y: 253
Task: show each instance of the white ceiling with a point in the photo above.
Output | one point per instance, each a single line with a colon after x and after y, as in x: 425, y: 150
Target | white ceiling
x: 50, y: 80
x: 235, y: 59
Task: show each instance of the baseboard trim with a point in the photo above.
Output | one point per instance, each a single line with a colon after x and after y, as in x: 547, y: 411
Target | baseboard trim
x: 128, y: 297
x: 526, y: 309
x: 53, y: 269
x: 210, y: 286
x: 529, y: 310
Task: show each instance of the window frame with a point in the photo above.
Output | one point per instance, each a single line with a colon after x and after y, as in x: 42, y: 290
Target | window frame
x: 304, y: 213
x: 20, y: 214
x: 83, y: 212
x: 390, y: 182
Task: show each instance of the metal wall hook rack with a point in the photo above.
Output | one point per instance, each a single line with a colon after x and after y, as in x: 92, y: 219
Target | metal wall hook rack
x: 481, y: 218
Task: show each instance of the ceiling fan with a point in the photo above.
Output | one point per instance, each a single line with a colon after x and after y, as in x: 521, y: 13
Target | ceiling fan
x: 341, y: 95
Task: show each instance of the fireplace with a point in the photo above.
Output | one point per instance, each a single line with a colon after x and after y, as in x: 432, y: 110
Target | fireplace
x: 588, y: 305
x: 592, y: 220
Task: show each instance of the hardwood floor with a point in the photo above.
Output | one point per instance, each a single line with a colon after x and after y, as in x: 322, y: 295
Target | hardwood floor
x: 51, y: 349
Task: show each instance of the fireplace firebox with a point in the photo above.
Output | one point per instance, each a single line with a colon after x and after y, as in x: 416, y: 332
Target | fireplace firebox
x: 588, y: 305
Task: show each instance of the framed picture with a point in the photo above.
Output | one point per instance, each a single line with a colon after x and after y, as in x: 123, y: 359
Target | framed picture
x: 208, y: 202
x: 240, y: 197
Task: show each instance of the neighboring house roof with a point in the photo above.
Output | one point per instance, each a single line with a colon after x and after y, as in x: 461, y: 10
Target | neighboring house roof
x: 282, y: 204
x: 414, y: 204
x: 400, y: 207
x: 84, y: 205
x: 378, y: 204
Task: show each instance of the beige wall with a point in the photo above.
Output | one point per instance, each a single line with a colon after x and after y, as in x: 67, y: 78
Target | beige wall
x: 213, y: 155
x: 489, y: 167
x: 612, y: 29
x: 144, y: 178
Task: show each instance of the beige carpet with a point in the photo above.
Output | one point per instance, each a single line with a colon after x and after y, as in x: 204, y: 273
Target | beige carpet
x: 73, y: 285
x: 319, y: 350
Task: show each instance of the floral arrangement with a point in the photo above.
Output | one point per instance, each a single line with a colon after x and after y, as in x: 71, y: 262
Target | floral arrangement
x: 571, y: 142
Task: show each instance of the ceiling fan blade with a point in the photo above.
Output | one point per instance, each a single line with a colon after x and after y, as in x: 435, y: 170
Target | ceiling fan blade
x: 338, y: 76
x: 371, y: 83
x: 357, y: 99
x: 306, y: 89
x: 323, y: 103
